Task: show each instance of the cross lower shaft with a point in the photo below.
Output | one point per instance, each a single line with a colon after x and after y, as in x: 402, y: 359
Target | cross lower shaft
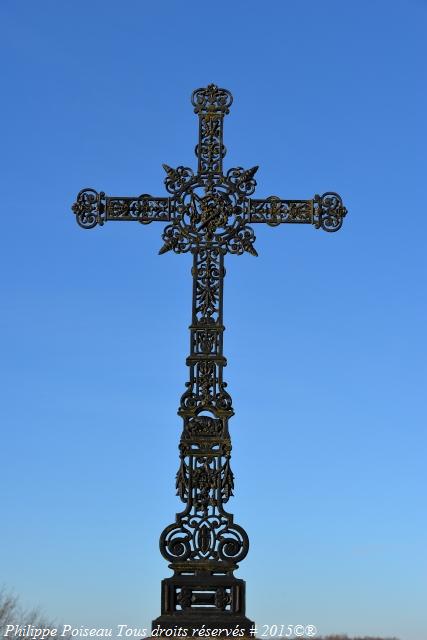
x: 204, y: 544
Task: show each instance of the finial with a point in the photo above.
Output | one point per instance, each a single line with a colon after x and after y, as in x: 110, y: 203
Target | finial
x: 168, y: 170
x: 166, y: 247
x: 249, y: 174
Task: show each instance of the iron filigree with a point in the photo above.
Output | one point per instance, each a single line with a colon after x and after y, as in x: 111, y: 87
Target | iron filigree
x: 209, y: 213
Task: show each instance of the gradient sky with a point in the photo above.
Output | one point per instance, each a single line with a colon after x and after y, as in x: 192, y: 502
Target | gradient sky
x: 325, y: 332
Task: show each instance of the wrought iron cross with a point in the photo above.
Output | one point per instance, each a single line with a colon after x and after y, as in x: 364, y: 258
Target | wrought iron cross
x: 208, y: 214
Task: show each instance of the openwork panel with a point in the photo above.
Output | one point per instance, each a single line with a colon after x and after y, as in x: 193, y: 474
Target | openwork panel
x: 204, y: 532
x: 204, y: 476
x: 220, y: 598
x: 206, y: 390
x: 89, y: 208
x: 209, y: 211
x: 204, y: 538
x: 92, y: 208
x: 211, y: 99
x: 274, y: 211
x: 329, y: 211
x: 144, y: 209
x: 208, y: 276
x: 205, y: 341
x: 210, y: 149
x: 211, y: 104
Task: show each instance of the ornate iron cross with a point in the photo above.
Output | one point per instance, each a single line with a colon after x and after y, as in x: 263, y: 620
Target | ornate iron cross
x: 208, y: 214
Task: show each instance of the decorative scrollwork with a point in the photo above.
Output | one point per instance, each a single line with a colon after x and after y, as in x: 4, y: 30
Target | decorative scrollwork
x: 173, y: 239
x: 234, y: 543
x: 274, y: 211
x: 89, y: 208
x: 242, y: 241
x: 175, y: 544
x: 223, y: 399
x: 145, y: 209
x: 206, y: 392
x: 204, y: 531
x: 210, y: 150
x: 201, y: 537
x: 208, y: 271
x: 242, y: 180
x: 212, y: 217
x: 329, y: 211
x: 211, y: 104
x: 211, y: 99
x: 205, y: 341
x: 177, y: 179
x: 209, y: 209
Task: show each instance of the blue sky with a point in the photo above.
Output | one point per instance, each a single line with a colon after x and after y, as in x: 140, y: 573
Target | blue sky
x: 325, y: 332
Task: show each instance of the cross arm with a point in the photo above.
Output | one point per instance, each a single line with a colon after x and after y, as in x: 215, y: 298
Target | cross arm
x: 93, y: 207
x: 211, y: 105
x: 323, y: 212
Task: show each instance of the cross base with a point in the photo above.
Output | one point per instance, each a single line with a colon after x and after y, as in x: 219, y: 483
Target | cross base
x: 212, y: 602
x: 190, y: 626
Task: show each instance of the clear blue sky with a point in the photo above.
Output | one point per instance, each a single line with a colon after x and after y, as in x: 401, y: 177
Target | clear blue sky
x: 325, y: 332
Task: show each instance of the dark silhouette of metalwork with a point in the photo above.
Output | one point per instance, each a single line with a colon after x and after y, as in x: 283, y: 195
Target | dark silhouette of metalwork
x: 208, y: 214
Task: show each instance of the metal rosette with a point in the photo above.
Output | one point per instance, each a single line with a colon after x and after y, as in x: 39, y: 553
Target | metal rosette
x: 210, y: 217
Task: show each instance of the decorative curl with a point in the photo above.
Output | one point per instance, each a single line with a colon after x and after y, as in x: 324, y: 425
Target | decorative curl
x: 233, y: 544
x: 175, y: 240
x: 177, y: 179
x: 329, y: 211
x: 175, y: 548
x: 223, y: 398
x: 89, y: 208
x: 242, y: 241
x: 211, y: 98
x: 242, y: 180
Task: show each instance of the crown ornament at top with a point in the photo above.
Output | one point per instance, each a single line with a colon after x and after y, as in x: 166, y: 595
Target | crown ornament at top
x: 211, y: 99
